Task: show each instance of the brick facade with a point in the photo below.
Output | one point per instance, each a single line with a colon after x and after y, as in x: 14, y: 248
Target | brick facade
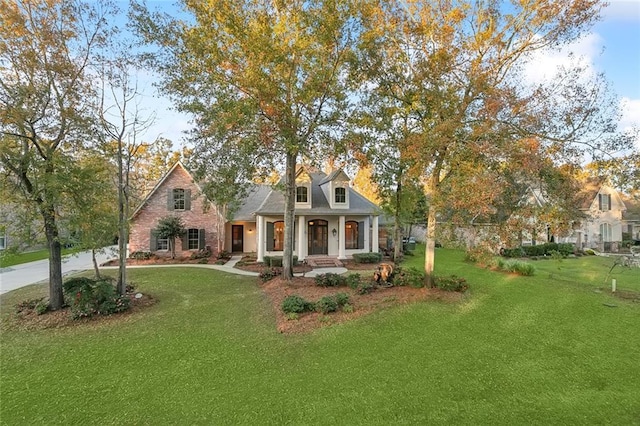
x: 193, y: 216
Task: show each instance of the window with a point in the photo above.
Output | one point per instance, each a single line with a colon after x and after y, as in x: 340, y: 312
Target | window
x: 178, y: 199
x: 193, y: 241
x: 278, y: 236
x: 162, y: 244
x: 3, y: 241
x: 341, y: 195
x: 351, y: 235
x: 301, y: 194
x: 605, y: 232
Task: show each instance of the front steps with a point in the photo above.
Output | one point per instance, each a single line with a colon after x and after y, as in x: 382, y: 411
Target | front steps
x: 323, y: 262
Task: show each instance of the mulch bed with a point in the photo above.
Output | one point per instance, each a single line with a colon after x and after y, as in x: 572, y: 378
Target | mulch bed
x: 167, y: 261
x: 28, y: 319
x: 278, y: 289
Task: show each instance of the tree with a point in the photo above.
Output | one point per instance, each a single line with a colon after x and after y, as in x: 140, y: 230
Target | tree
x: 170, y: 227
x: 265, y: 79
x: 46, y: 105
x: 454, y: 69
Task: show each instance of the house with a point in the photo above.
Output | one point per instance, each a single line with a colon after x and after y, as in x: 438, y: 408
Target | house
x: 176, y: 194
x: 631, y: 218
x: 331, y: 219
x: 602, y: 225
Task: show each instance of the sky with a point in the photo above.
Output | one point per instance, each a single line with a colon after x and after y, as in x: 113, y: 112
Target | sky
x: 611, y: 47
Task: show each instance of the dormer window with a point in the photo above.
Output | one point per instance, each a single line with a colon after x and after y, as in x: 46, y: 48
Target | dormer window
x: 302, y: 194
x: 604, y: 202
x: 340, y: 195
x: 178, y: 199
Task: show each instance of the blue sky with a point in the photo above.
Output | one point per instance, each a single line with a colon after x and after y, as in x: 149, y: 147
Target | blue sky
x: 612, y: 47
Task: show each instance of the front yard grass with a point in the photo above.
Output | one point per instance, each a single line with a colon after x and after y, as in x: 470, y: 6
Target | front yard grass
x: 546, y: 349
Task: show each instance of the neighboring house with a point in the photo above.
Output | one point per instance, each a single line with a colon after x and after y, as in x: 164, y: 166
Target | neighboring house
x: 176, y: 194
x: 331, y: 219
x: 602, y: 226
x: 631, y: 218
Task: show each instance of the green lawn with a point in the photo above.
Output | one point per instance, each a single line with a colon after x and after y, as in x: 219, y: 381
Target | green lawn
x: 10, y: 259
x: 534, y: 350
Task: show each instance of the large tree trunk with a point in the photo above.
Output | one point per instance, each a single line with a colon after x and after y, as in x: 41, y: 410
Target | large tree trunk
x: 397, y: 227
x: 56, y: 298
x: 430, y: 250
x: 289, y: 214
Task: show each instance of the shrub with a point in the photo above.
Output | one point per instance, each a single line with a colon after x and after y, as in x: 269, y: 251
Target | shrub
x: 409, y: 276
x: 518, y: 267
x: 292, y: 316
x: 89, y: 297
x: 566, y: 249
x: 365, y: 288
x: 330, y: 280
x: 275, y: 261
x: 40, y: 305
x: 203, y: 254
x: 221, y: 255
x: 353, y: 280
x: 479, y: 255
x: 513, y: 252
x: 451, y: 283
x: 347, y: 308
x: 367, y: 257
x: 342, y: 299
x: 589, y: 252
x: 269, y: 274
x: 295, y: 304
x: 141, y: 255
x: 205, y: 260
x: 327, y: 304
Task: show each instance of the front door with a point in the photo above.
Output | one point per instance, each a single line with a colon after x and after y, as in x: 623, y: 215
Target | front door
x: 237, y: 238
x: 318, y: 237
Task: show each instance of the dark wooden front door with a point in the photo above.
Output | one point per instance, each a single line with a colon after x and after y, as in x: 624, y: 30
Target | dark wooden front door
x: 237, y: 238
x: 318, y: 237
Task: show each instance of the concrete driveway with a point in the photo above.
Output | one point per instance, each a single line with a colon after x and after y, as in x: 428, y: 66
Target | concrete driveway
x: 17, y: 276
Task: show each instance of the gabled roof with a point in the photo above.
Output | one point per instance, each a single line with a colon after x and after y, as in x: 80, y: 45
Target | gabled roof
x: 632, y: 212
x: 264, y: 200
x: 159, y: 184
x: 334, y: 175
x: 590, y: 189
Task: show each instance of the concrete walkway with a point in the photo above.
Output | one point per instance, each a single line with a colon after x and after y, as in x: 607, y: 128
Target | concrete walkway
x: 25, y: 274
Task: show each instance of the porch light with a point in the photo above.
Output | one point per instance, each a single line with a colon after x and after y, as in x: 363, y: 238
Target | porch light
x: 334, y: 232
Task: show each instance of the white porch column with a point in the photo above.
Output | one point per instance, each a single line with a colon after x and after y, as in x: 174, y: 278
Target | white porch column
x: 302, y: 241
x: 341, y: 236
x: 374, y: 237
x: 260, y: 238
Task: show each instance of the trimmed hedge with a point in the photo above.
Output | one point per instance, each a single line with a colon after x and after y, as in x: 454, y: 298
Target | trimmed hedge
x: 276, y: 261
x: 367, y: 257
x: 565, y: 249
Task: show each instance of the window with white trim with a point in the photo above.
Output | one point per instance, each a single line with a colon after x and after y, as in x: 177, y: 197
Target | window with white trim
x: 605, y: 232
x: 302, y: 194
x: 193, y: 239
x: 162, y: 244
x: 340, y: 195
x: 178, y: 199
x: 351, y: 234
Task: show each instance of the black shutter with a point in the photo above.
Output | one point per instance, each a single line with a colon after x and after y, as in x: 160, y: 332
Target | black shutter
x: 185, y: 240
x: 153, y: 241
x: 600, y: 202
x: 609, y: 199
x: 187, y: 199
x: 270, y: 236
x: 170, y: 203
x: 201, y: 240
x: 361, y: 232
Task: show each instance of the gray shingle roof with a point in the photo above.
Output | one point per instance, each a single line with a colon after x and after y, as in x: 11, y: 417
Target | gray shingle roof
x: 264, y: 200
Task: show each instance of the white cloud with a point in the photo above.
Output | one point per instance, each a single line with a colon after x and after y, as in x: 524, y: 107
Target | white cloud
x: 630, y: 116
x: 544, y: 64
x: 622, y: 10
